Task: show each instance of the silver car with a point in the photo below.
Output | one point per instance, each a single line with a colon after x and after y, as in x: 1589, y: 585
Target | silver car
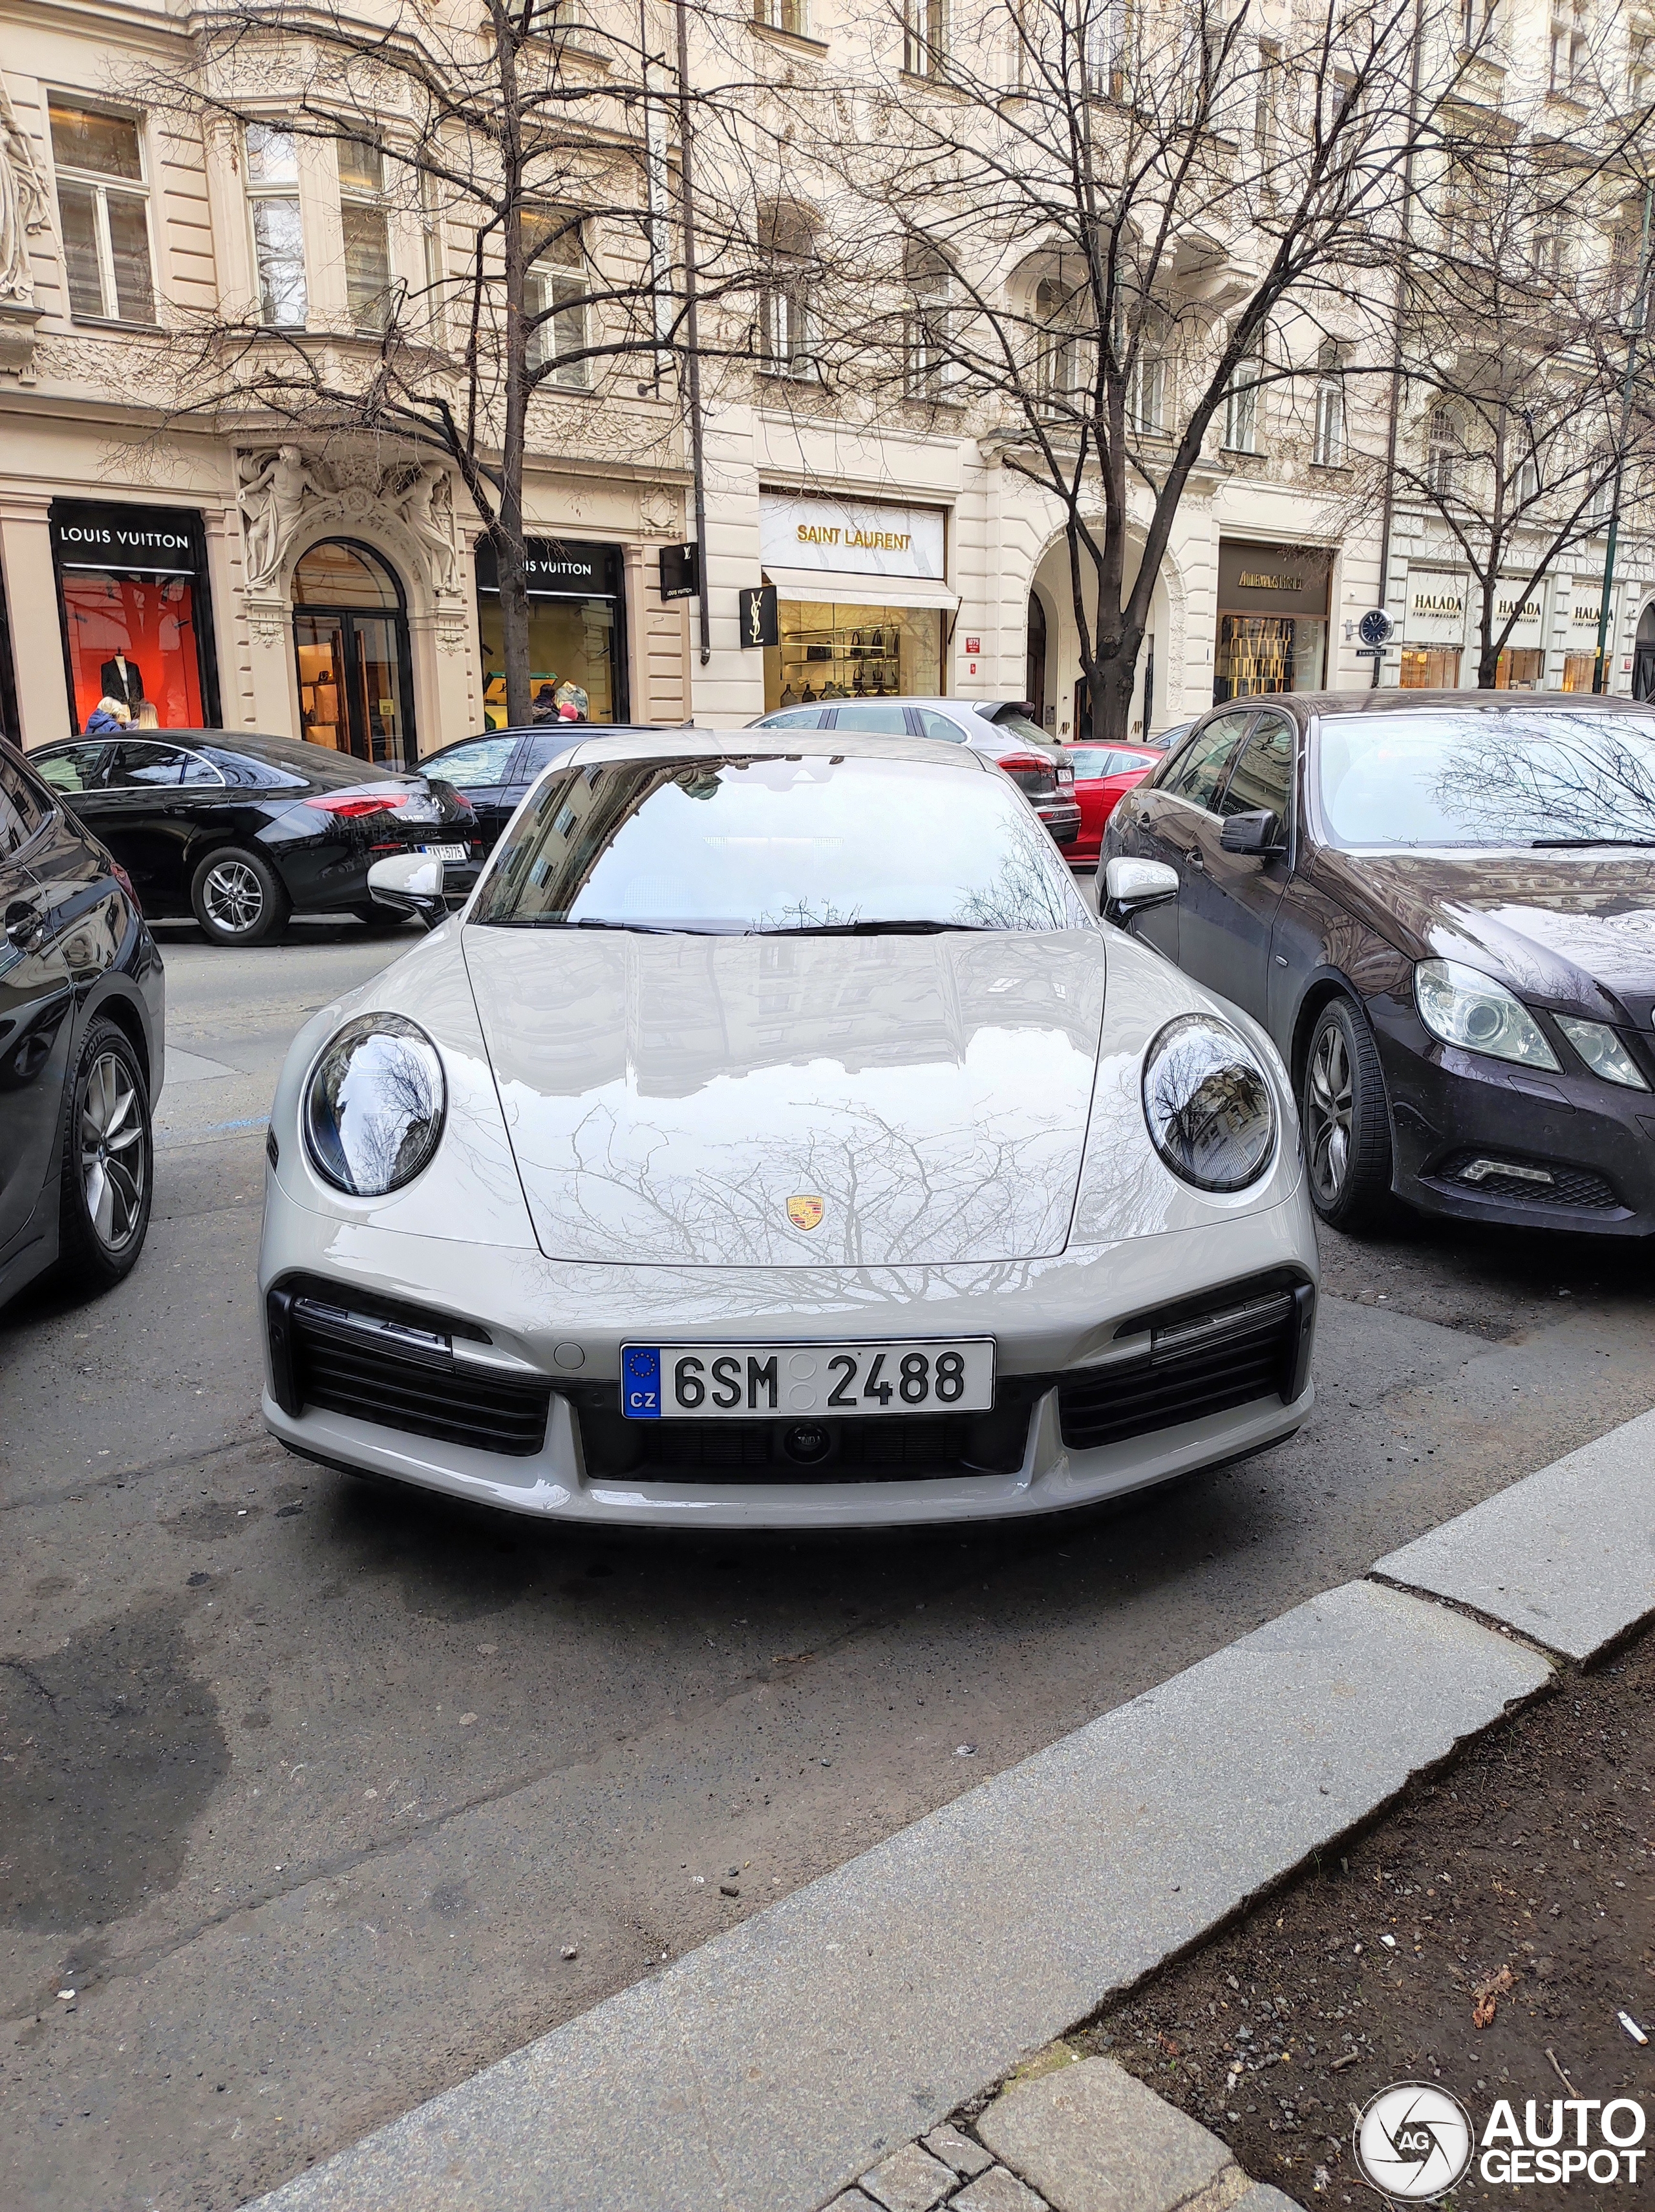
x: 777, y: 1139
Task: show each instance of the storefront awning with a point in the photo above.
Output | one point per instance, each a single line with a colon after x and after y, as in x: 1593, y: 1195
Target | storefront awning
x: 859, y: 591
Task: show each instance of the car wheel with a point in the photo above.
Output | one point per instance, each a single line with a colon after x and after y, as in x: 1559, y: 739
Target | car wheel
x: 238, y: 897
x: 1347, y: 1126
x: 108, y: 1161
x: 381, y: 920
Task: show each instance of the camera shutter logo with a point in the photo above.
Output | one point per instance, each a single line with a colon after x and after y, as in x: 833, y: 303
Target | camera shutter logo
x: 1414, y: 2141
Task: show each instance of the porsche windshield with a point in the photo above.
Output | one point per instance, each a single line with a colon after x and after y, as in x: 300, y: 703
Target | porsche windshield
x: 1537, y: 776
x: 805, y: 844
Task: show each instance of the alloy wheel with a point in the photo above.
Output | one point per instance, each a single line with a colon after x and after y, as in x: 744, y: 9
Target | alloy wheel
x: 233, y: 896
x: 113, y: 1160
x: 1329, y: 1111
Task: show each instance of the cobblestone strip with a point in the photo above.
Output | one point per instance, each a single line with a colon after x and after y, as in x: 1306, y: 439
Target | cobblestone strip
x: 1064, y: 2135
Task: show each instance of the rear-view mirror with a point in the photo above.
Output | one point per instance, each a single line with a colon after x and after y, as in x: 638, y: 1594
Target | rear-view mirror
x: 1259, y: 833
x: 409, y: 882
x: 1130, y: 887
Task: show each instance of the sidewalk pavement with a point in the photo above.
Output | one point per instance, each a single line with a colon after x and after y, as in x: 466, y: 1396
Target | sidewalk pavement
x: 818, y: 2048
x: 1066, y: 2135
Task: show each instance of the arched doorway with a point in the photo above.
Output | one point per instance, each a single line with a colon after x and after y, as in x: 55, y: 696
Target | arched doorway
x: 350, y: 640
x: 1643, y: 657
x: 1034, y: 673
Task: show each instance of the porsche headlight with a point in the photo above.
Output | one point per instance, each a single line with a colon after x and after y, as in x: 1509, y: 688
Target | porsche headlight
x: 374, y: 1105
x: 1208, y: 1105
x: 1464, y: 1008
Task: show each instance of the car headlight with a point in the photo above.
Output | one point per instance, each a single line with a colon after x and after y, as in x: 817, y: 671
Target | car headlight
x: 374, y: 1105
x: 1464, y: 1008
x: 1602, y: 1051
x: 1208, y: 1105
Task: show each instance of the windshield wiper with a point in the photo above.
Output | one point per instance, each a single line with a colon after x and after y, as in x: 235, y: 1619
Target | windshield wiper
x: 866, y: 928
x: 642, y: 928
x: 1581, y: 844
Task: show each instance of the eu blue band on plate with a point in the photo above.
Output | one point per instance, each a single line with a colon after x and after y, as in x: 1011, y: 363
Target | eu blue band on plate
x: 640, y: 1383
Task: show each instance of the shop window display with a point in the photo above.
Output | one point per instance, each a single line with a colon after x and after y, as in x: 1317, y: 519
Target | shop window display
x: 133, y: 638
x: 831, y: 650
x: 572, y: 652
x: 1429, y: 668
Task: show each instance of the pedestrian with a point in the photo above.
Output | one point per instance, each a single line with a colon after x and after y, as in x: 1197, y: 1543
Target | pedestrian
x: 108, y: 719
x: 545, y: 707
x: 144, y: 716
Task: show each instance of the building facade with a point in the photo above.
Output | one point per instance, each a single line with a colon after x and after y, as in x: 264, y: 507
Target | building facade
x: 333, y: 590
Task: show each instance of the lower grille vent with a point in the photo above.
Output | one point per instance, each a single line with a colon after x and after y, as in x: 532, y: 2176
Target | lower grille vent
x: 331, y: 1358
x: 879, y: 1448
x: 1531, y: 1182
x: 1206, y: 1363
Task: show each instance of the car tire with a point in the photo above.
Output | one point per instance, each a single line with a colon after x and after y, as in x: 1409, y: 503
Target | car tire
x: 107, y: 1174
x: 237, y: 898
x: 381, y: 920
x: 1345, y: 1120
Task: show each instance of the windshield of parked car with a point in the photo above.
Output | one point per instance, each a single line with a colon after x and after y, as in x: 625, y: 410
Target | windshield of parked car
x: 810, y: 844
x: 1488, y: 777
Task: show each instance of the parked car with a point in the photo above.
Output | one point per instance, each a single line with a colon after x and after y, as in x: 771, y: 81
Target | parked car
x: 493, y: 775
x: 82, y: 1040
x: 1103, y: 776
x: 1000, y: 728
x: 804, y: 1059
x: 1442, y: 906
x: 241, y: 831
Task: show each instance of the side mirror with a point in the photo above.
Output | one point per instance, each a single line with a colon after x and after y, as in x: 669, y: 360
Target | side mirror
x: 1259, y: 833
x: 1131, y: 887
x: 409, y: 882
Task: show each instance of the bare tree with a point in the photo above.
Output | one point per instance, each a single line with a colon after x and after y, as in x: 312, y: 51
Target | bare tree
x: 539, y: 153
x: 1520, y: 310
x: 1109, y: 229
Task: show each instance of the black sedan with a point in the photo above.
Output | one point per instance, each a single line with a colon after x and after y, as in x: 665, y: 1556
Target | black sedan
x: 492, y: 775
x: 241, y: 831
x: 81, y: 1003
x: 1442, y: 906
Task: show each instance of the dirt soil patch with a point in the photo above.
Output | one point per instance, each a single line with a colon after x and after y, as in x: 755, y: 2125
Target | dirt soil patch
x: 1485, y: 1934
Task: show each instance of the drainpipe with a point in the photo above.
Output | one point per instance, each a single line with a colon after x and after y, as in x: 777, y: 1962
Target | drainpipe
x: 1641, y: 308
x: 692, y: 328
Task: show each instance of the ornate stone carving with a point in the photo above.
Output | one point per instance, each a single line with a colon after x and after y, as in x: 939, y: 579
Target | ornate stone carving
x: 660, y: 512
x: 426, y: 507
x: 274, y: 490
x: 24, y: 206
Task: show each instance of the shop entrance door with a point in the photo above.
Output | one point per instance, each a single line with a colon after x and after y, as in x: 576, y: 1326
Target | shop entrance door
x: 350, y: 640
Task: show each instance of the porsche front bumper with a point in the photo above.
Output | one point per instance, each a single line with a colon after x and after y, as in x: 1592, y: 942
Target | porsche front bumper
x: 500, y: 1328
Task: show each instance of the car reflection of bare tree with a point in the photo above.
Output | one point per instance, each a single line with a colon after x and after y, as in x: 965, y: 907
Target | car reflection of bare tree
x: 933, y: 1201
x: 1591, y: 786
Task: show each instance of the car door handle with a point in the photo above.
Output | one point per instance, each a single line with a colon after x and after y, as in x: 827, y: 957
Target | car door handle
x: 25, y: 925
x: 1193, y: 854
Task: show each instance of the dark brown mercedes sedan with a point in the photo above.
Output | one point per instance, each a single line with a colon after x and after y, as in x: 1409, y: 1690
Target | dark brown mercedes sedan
x: 1441, y: 905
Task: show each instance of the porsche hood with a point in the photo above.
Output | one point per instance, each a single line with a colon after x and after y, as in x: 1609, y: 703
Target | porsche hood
x: 806, y: 1102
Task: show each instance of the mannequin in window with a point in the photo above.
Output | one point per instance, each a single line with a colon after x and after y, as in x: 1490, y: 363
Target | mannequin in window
x: 121, y: 680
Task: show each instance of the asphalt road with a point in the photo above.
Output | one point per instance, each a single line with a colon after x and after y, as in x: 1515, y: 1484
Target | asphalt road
x: 307, y: 1786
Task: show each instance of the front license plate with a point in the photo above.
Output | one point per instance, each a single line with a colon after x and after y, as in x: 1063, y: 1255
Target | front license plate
x: 729, y: 1381
x: 445, y: 852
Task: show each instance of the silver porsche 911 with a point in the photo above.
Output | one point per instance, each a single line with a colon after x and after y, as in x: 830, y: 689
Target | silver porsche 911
x: 777, y: 1139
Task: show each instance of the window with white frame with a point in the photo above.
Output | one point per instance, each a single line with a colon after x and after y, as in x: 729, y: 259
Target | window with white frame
x: 1146, y: 395
x: 103, y: 209
x: 925, y: 37
x: 925, y: 367
x: 1241, y: 407
x: 1525, y: 481
x: 431, y: 223
x: 1328, y: 443
x: 1108, y: 36
x: 1267, y: 105
x: 1641, y: 68
x: 1569, y: 50
x: 555, y: 290
x: 785, y: 332
x: 272, y: 172
x: 366, y: 230
x: 793, y: 16
x: 1064, y: 366
x: 1442, y: 448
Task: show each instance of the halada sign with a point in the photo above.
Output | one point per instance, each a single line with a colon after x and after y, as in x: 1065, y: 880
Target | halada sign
x: 1435, y: 611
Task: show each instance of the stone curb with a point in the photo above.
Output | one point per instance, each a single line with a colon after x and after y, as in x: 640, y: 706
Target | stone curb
x: 818, y: 2040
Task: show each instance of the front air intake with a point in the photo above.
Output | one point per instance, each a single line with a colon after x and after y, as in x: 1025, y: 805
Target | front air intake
x: 1196, y: 1364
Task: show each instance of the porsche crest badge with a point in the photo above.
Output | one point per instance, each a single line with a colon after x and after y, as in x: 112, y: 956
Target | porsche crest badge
x: 804, y: 1211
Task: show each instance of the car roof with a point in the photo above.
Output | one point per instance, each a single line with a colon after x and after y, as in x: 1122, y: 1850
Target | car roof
x: 770, y: 745
x: 1388, y: 701
x: 318, y: 764
x: 538, y: 730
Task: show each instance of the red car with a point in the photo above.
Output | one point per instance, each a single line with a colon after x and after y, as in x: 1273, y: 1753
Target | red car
x: 1103, y: 776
